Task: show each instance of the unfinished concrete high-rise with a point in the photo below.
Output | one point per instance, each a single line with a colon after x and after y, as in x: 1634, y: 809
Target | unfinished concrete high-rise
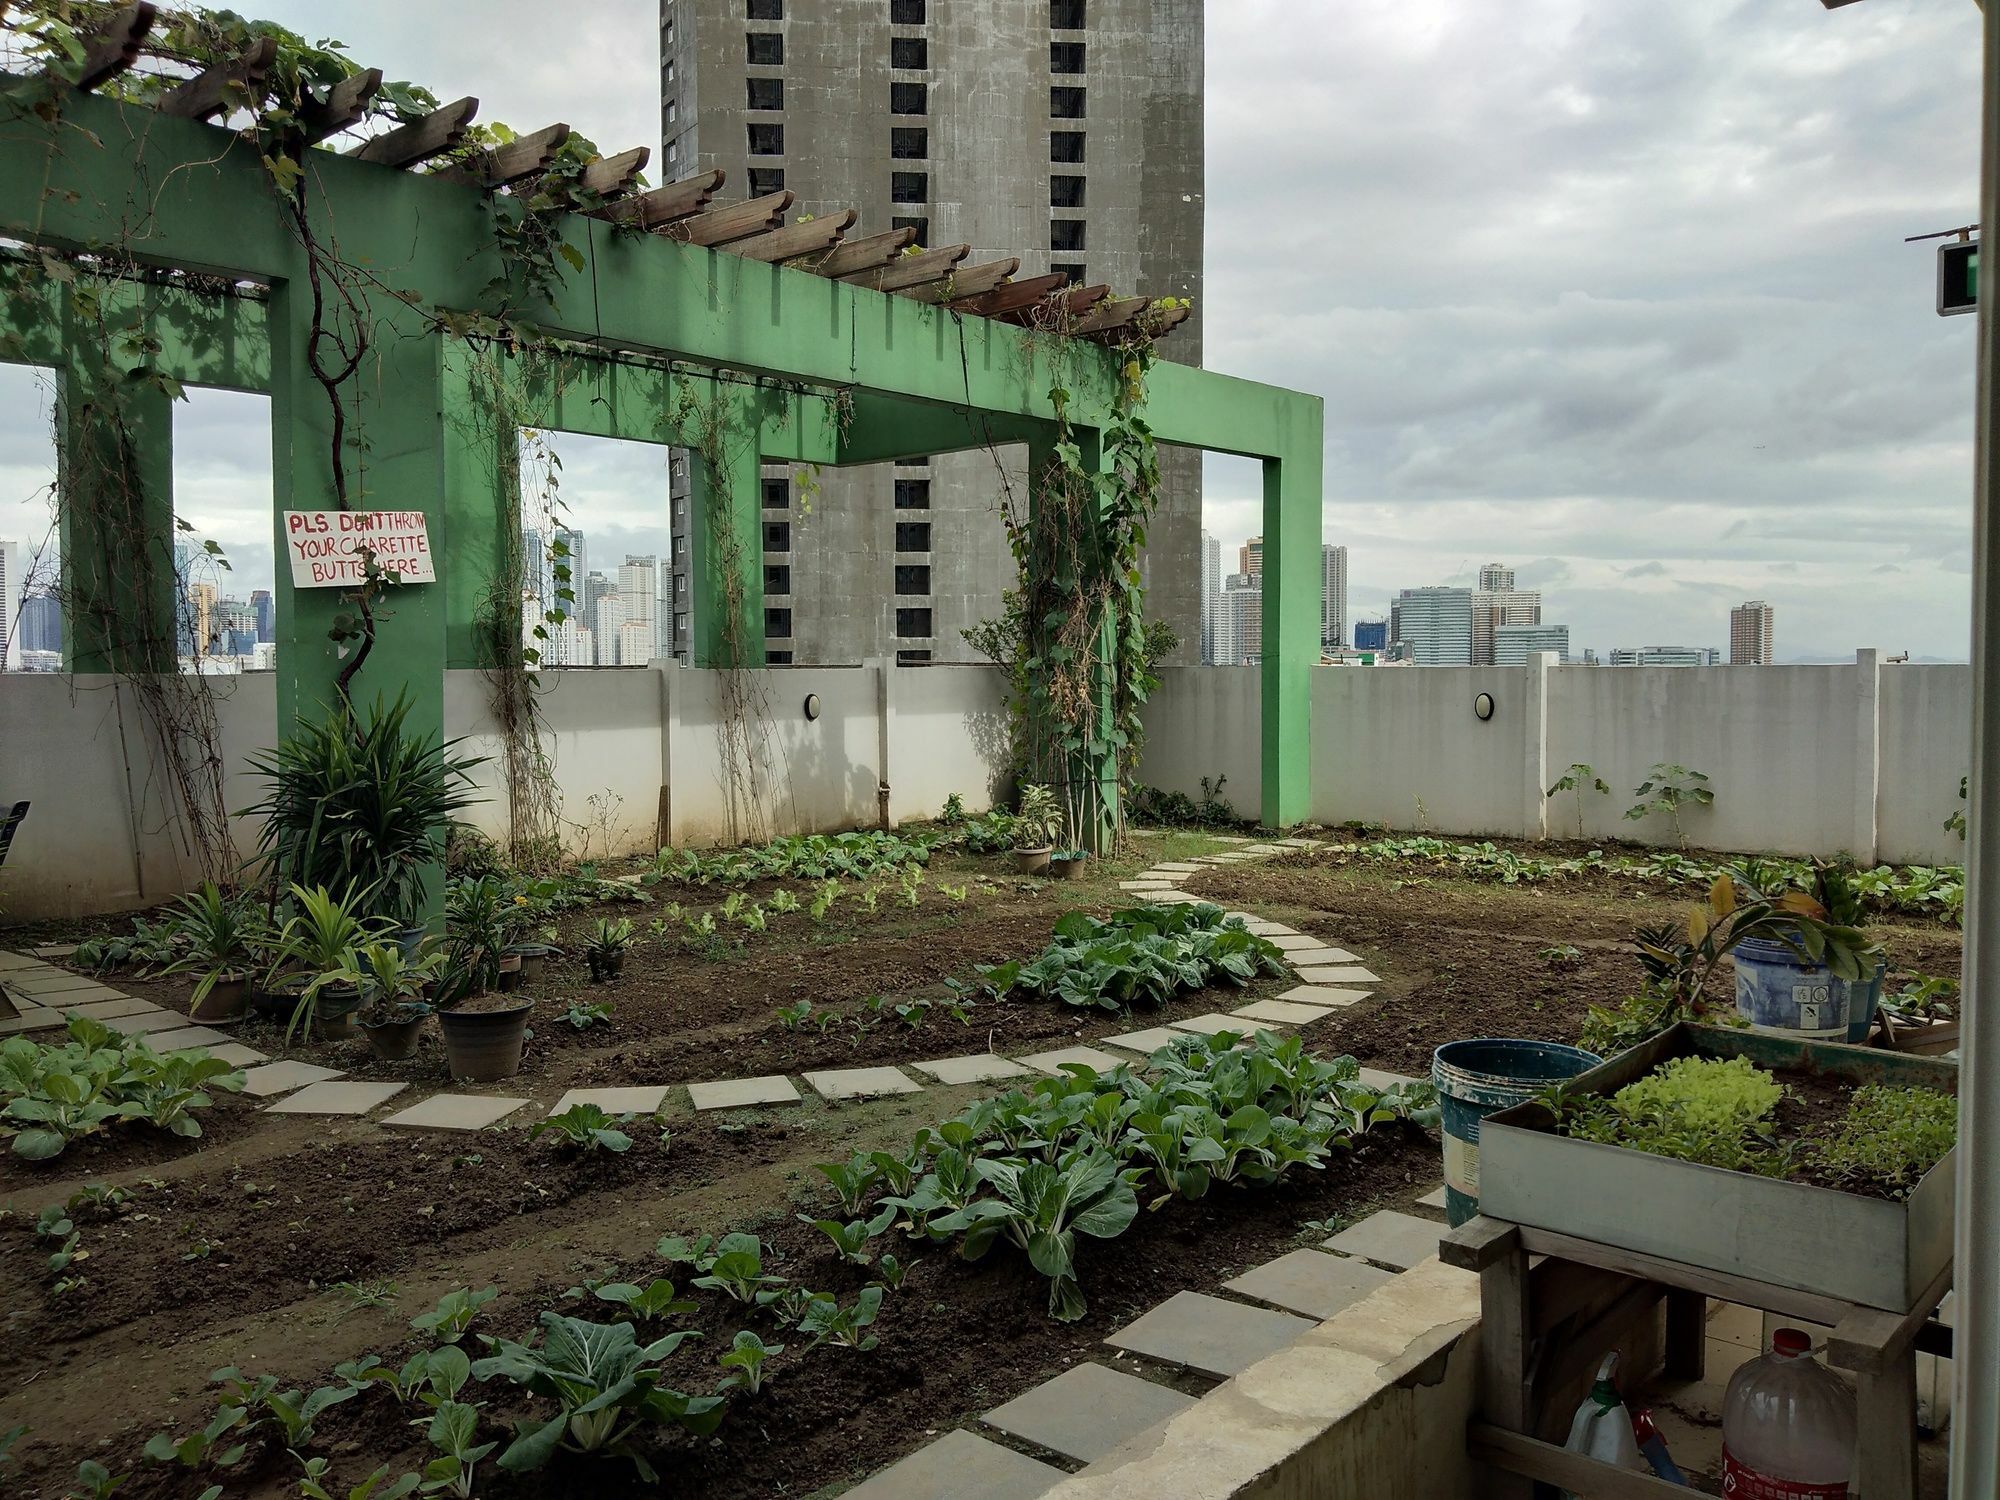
x: 1067, y: 132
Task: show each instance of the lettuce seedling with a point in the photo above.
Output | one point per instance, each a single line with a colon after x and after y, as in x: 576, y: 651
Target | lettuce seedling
x: 452, y: 1430
x: 446, y: 1323
x: 587, y: 1127
x: 653, y: 1300
x: 851, y: 1239
x: 851, y: 1181
x: 745, y: 1362
x: 737, y: 1269
x: 606, y: 1385
x: 1042, y: 1208
x: 844, y: 1327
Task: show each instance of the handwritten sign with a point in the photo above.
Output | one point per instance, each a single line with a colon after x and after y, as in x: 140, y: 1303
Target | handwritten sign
x: 327, y: 546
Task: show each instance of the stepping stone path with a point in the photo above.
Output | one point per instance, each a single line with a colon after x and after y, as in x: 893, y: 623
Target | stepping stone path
x: 1312, y: 1282
x: 1319, y: 994
x: 632, y: 1101
x: 1208, y: 1334
x: 743, y: 1093
x: 861, y: 1083
x: 1146, y: 1042
x: 454, y: 1111
x: 1338, y: 974
x: 1213, y: 1022
x: 1390, y: 1239
x: 1318, y: 957
x: 1087, y: 1411
x: 1090, y: 1057
x: 183, y: 1037
x: 283, y: 1077
x: 347, y: 1097
x: 963, y: 1466
x: 1281, y: 1012
x: 981, y: 1067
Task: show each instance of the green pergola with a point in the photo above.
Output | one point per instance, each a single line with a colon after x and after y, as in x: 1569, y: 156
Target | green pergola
x: 658, y: 335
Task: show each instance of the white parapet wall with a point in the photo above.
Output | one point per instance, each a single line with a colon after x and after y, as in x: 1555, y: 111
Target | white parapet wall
x: 699, y: 757
x: 1861, y: 759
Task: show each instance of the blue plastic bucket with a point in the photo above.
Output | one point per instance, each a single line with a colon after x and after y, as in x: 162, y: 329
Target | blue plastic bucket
x: 1476, y: 1078
x: 1780, y: 992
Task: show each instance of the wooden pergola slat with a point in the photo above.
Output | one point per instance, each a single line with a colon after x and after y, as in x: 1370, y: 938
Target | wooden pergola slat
x: 737, y: 221
x: 1077, y: 301
x: 238, y: 81
x: 420, y: 140
x: 1016, y: 294
x: 910, y: 270
x: 1145, y: 321
x: 864, y: 254
x: 116, y: 44
x: 658, y: 207
x: 803, y: 238
x: 969, y: 280
x: 344, y: 105
x: 610, y: 175
x: 1114, y: 313
x: 522, y: 157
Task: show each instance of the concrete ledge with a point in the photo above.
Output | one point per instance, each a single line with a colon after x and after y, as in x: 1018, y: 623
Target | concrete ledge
x: 1371, y: 1402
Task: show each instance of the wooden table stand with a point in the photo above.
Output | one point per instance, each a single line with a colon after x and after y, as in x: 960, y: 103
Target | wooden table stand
x: 1551, y: 1306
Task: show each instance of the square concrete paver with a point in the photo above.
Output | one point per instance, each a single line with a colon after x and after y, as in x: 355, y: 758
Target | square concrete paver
x: 860, y: 1083
x: 1146, y: 1042
x: 1178, y: 866
x: 1433, y: 1199
x: 347, y: 1097
x: 963, y: 1466
x: 1289, y: 941
x: 743, y: 1093
x: 1146, y: 887
x: 1213, y: 1022
x: 1280, y: 1012
x: 1375, y: 1078
x: 181, y: 1038
x: 104, y: 1010
x: 1310, y: 1282
x: 31, y: 1018
x: 1264, y: 927
x: 1318, y: 958
x: 1391, y: 1239
x: 53, y: 950
x: 1326, y: 995
x: 48, y: 981
x: 644, y: 1100
x: 1337, y: 974
x: 1208, y: 1334
x: 10, y: 961
x: 980, y: 1067
x: 283, y: 1077
x: 455, y: 1112
x: 1052, y: 1062
x: 152, y: 1020
x: 1088, y: 1410
x: 236, y: 1054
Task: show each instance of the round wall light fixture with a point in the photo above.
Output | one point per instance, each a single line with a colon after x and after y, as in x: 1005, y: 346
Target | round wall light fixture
x: 1482, y: 707
x: 812, y: 706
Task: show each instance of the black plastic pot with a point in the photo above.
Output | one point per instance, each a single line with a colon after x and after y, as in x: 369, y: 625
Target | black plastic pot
x: 337, y: 1013
x: 484, y: 1046
x: 605, y: 966
x: 511, y: 972
x: 1067, y: 866
x: 395, y: 1039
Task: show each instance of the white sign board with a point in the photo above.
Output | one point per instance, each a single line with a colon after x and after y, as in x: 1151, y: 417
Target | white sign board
x: 326, y: 546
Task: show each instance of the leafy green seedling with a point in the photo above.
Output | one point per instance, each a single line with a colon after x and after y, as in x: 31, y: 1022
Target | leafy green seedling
x: 843, y: 1327
x: 745, y: 1362
x: 587, y: 1127
x: 446, y: 1323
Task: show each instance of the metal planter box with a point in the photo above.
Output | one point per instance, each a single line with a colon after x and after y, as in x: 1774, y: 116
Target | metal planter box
x: 1813, y: 1239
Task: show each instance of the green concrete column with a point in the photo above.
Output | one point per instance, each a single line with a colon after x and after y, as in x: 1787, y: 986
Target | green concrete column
x: 394, y: 456
x: 725, y: 526
x: 1292, y: 586
x: 482, y: 497
x: 115, y: 483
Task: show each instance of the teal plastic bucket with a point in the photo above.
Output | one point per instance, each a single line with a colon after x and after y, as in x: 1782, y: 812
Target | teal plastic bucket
x: 1476, y: 1078
x: 1861, y: 1010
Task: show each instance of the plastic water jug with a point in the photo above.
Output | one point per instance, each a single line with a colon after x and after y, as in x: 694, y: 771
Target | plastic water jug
x: 1787, y: 1427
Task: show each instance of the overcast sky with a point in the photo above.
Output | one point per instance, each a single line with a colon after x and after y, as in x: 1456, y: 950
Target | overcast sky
x: 1615, y: 293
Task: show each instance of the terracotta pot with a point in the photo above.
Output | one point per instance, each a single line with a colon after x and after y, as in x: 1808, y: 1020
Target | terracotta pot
x: 395, y: 1040
x: 484, y: 1046
x: 1032, y: 861
x: 227, y: 999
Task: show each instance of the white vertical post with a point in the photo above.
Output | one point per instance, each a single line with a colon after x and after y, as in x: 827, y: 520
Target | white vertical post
x: 1535, y: 743
x: 1975, y: 1447
x: 884, y: 668
x: 1867, y: 754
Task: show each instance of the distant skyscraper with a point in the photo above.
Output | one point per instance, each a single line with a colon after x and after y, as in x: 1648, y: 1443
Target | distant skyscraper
x: 11, y: 580
x: 265, y: 609
x: 1371, y: 635
x: 1496, y: 602
x: 1514, y: 644
x: 1665, y: 656
x: 639, y: 588
x: 1211, y: 594
x: 1250, y: 560
x: 1750, y: 628
x: 1332, y: 597
x: 1239, y: 622
x: 201, y: 627
x: 1436, y: 625
x: 608, y: 616
x: 41, y: 623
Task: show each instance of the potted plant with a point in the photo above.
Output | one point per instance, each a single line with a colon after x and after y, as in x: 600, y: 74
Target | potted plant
x: 1791, y: 979
x: 222, y: 937
x: 1687, y: 1148
x: 483, y: 1032
x: 534, y: 956
x: 355, y: 803
x: 317, y: 942
x: 606, y: 951
x: 1042, y: 824
x: 392, y: 988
